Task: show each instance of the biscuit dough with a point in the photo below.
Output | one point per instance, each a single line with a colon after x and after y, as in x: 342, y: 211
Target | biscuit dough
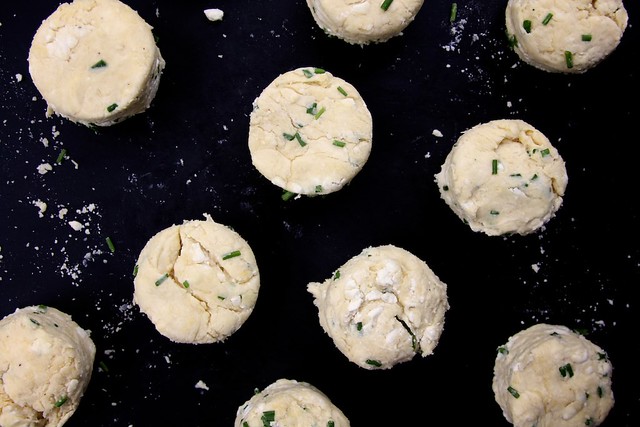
x: 550, y: 376
x: 565, y: 36
x: 197, y: 282
x: 290, y: 403
x: 503, y: 177
x: 382, y: 307
x: 95, y: 62
x: 46, y: 362
x: 362, y: 22
x: 310, y: 132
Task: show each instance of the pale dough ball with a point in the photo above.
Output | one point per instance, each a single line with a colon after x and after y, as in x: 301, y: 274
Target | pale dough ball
x: 565, y: 36
x: 364, y: 21
x: 310, y: 132
x: 503, y: 177
x: 197, y: 282
x: 382, y: 307
x: 95, y: 62
x: 550, y: 376
x: 46, y: 361
x: 290, y: 403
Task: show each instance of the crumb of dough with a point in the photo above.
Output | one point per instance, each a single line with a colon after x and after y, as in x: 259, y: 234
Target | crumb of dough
x: 214, y: 14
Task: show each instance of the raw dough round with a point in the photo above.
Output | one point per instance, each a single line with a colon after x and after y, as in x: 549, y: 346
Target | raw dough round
x: 550, y: 376
x: 310, y: 132
x: 382, y: 307
x: 503, y: 177
x: 197, y: 282
x: 290, y: 403
x: 364, y: 21
x: 565, y: 36
x: 95, y: 62
x: 46, y: 361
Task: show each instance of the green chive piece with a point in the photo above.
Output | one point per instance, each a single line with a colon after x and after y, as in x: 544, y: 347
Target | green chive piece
x: 186, y: 284
x: 513, y: 392
x: 342, y: 91
x: 339, y: 143
x: 313, y: 109
x: 61, y: 401
x: 319, y: 113
x: 545, y: 152
x: 42, y: 308
x: 547, y: 18
x: 245, y: 424
x: 445, y: 188
x: 454, y: 12
x: 526, y: 24
x: 566, y: 370
x: 516, y: 175
x: 300, y: 140
x: 534, y: 177
x: 589, y: 422
x: 503, y: 350
x: 568, y: 57
x: 385, y: 5
x: 319, y: 70
x: 494, y: 167
x: 586, y: 37
x: 308, y: 74
x: 375, y: 363
x: 103, y: 366
x: 414, y: 341
x: 112, y: 107
x: 287, y: 195
x: 330, y: 423
x: 318, y: 189
x: 268, y: 417
x: 288, y: 136
x: 135, y: 270
x: 99, y: 64
x: 359, y: 326
x: 494, y: 212
x: 112, y: 248
x: 231, y: 254
x: 61, y: 156
x: 162, y: 279
x: 35, y: 322
x: 602, y: 356
x: 336, y: 275
x: 513, y: 40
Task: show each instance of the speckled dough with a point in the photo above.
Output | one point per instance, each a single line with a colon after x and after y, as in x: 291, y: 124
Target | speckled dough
x: 503, y: 177
x: 310, y: 132
x: 95, y: 62
x: 46, y: 362
x: 550, y: 376
x: 294, y: 404
x: 544, y: 32
x: 364, y: 21
x: 382, y: 307
x: 197, y: 282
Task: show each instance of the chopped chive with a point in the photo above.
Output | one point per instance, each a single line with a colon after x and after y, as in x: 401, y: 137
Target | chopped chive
x: 581, y: 331
x: 42, y: 308
x: 494, y: 212
x: 103, y: 366
x: 186, y: 284
x: 503, y: 350
x: 385, y: 5
x: 35, y: 322
x: 61, y: 401
x: 231, y: 254
x: 600, y: 391
x: 288, y: 136
x: 330, y: 423
x: 339, y: 143
x: 336, y: 275
x: 135, y: 270
x: 494, y: 167
x: 319, y: 113
x: 61, y: 156
x: 586, y: 37
x: 313, y: 109
x: 589, y: 422
x: 245, y: 424
x: 308, y: 74
x: 318, y: 189
x: 287, y: 195
x: 513, y: 40
x: 162, y: 279
x: 319, y: 70
x: 375, y: 363
x: 526, y: 24
x: 112, y: 248
x: 454, y: 12
x: 545, y: 152
x: 516, y: 175
x: 300, y: 140
x: 445, y: 188
x: 547, y: 18
x: 342, y: 91
x: 359, y: 326
x: 268, y: 417
x: 602, y: 356
x: 513, y: 392
x: 221, y: 298
x: 534, y: 177
x: 112, y: 107
x: 99, y: 64
x: 414, y: 341
x: 566, y: 370
x: 568, y: 57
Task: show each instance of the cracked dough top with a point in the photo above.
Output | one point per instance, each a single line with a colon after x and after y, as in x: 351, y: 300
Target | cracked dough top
x: 197, y: 282
x: 382, y: 307
x: 310, y: 132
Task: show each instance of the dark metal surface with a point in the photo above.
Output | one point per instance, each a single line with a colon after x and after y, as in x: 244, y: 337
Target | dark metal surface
x: 188, y: 155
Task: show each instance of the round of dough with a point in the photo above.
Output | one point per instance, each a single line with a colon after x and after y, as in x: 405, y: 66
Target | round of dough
x: 46, y: 361
x: 550, y: 376
x: 310, y: 132
x: 290, y: 403
x: 382, y: 307
x: 197, y: 282
x: 503, y: 177
x: 362, y: 22
x: 95, y: 62
x: 565, y: 36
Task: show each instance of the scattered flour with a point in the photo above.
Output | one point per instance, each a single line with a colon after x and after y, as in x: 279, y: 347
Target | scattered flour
x: 201, y: 385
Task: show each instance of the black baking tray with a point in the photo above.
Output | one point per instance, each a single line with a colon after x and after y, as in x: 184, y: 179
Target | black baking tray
x: 188, y: 155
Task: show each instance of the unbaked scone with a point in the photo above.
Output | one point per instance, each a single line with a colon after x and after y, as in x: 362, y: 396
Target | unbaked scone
x: 95, y: 62
x: 503, y: 177
x: 197, y: 282
x: 310, y: 132
x: 382, y: 307
x: 565, y: 36
x: 362, y: 22
x: 46, y: 362
x: 550, y: 376
x: 290, y: 403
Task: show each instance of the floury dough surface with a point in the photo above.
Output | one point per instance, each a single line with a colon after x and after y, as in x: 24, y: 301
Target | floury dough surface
x: 503, y: 177
x: 290, y: 403
x: 362, y: 22
x: 310, y: 133
x: 382, y: 307
x: 197, y: 282
x: 46, y: 362
x: 550, y: 376
x: 589, y: 30
x: 95, y: 62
